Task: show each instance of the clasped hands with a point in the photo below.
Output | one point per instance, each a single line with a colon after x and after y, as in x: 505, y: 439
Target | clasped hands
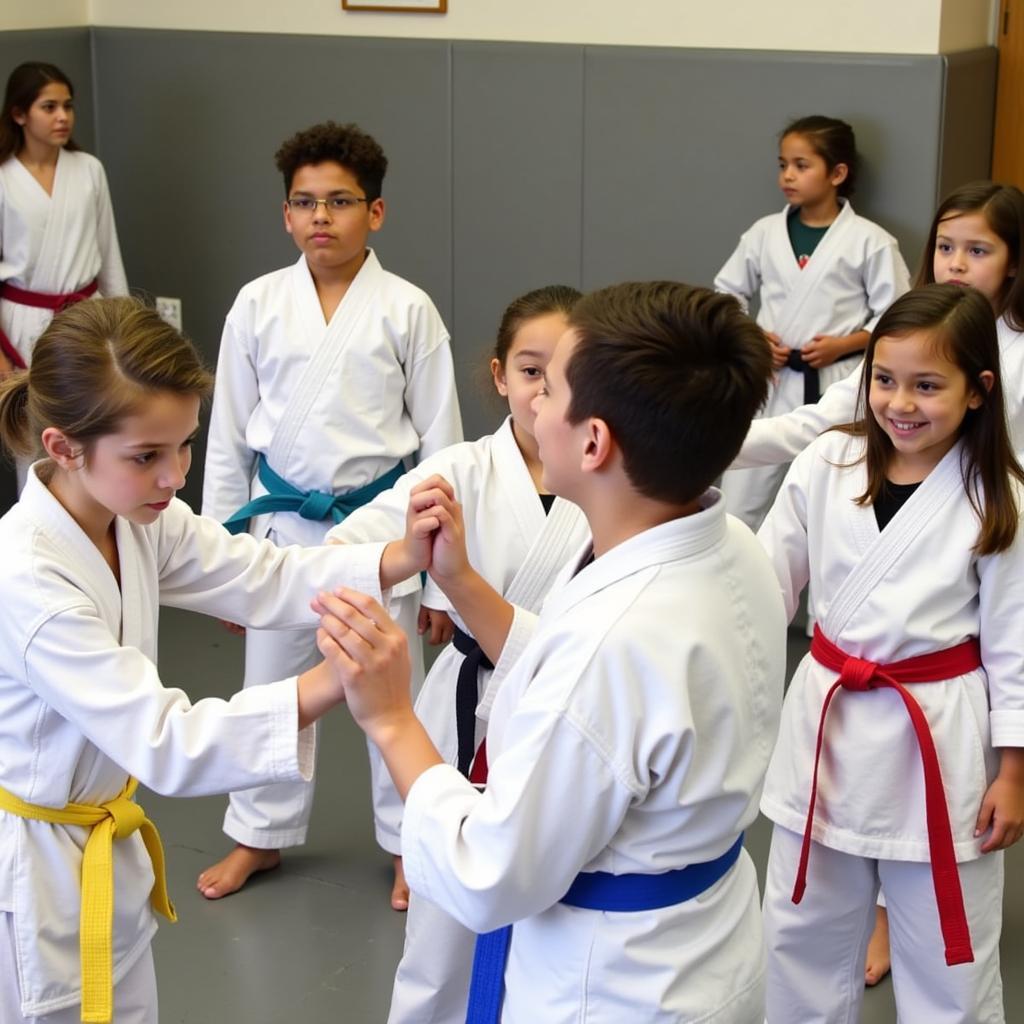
x: 365, y: 651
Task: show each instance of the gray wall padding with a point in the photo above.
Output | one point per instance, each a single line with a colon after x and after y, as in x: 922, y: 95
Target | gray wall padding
x: 70, y: 50
x: 511, y: 165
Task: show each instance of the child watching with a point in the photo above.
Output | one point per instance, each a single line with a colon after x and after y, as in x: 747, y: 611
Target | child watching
x: 332, y: 373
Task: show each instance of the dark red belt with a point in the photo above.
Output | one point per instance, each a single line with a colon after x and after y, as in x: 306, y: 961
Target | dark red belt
x: 858, y: 674
x: 37, y: 300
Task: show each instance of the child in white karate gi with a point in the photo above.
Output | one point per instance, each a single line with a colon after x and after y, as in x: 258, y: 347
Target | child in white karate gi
x: 823, y: 276
x: 519, y: 540
x: 635, y: 716
x: 907, y: 521
x: 332, y: 374
x: 95, y: 544
x: 58, y: 243
x: 974, y: 240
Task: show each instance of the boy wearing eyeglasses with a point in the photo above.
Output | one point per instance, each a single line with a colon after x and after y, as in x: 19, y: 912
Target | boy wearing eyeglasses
x: 332, y: 374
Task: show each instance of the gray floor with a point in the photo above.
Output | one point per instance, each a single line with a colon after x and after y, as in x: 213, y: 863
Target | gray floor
x: 317, y: 942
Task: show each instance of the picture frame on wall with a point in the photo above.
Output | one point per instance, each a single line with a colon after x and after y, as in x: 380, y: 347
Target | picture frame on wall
x: 402, y: 6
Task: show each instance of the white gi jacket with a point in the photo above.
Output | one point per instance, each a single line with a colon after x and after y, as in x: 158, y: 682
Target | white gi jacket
x: 914, y: 588
x: 630, y: 736
x: 82, y: 705
x: 780, y: 438
x: 854, y: 274
x: 55, y: 244
x: 332, y: 406
x: 511, y: 542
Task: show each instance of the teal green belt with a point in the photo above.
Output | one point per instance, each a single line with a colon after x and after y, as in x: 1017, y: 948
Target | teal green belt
x: 318, y: 506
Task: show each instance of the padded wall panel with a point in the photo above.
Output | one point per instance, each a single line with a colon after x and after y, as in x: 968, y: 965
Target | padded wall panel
x: 191, y: 121
x: 681, y: 147
x: 517, y: 146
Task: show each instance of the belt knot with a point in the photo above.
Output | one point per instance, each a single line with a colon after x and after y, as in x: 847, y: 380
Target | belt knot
x: 127, y: 814
x: 317, y: 506
x: 857, y: 674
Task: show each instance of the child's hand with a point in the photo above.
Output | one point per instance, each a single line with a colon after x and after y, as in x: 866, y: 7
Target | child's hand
x: 6, y: 366
x: 436, y: 624
x: 823, y: 350
x: 413, y: 553
x: 1002, y: 810
x: 780, y: 352
x: 367, y: 655
x: 232, y: 627
x: 442, y: 514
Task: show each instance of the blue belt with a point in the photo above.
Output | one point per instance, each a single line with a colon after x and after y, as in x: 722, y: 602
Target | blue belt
x: 591, y: 890
x: 281, y: 496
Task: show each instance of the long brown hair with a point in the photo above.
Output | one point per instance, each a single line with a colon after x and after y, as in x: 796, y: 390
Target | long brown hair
x: 1003, y: 209
x: 24, y: 85
x: 960, y: 321
x: 95, y: 364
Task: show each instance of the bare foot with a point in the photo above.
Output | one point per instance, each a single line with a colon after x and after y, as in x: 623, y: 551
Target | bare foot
x: 400, y: 890
x: 231, y: 873
x: 877, y: 962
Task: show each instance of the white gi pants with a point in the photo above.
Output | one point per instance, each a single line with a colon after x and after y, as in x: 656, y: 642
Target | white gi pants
x: 816, y: 948
x: 432, y: 980
x: 277, y: 816
x: 135, y: 1000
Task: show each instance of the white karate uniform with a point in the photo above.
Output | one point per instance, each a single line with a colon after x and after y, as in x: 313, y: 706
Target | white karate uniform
x: 55, y: 244
x: 332, y: 406
x: 82, y: 706
x: 781, y: 438
x: 855, y: 272
x: 520, y: 551
x: 914, y: 588
x: 630, y: 735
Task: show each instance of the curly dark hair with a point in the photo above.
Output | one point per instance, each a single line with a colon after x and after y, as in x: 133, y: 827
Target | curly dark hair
x: 345, y: 144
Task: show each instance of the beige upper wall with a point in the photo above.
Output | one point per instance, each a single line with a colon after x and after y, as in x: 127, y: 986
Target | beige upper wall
x: 872, y: 26
x: 18, y: 14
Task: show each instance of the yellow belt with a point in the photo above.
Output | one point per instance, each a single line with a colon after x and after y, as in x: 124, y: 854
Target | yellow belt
x: 116, y: 819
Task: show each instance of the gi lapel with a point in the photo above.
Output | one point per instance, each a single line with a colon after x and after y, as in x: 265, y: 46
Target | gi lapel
x: 807, y: 282
x: 884, y: 549
x: 50, y: 270
x: 347, y: 319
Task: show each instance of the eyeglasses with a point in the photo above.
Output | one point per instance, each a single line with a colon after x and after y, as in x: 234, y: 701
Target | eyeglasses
x: 333, y: 204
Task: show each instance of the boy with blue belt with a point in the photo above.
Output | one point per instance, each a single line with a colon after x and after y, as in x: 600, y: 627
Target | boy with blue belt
x: 628, y: 743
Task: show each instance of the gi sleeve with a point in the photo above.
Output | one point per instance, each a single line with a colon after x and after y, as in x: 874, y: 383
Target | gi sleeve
x: 505, y: 854
x: 114, y: 696
x: 253, y: 582
x: 778, y: 439
x: 741, y: 275
x: 886, y: 278
x: 230, y: 462
x: 783, y: 534
x: 430, y: 395
x: 1001, y: 608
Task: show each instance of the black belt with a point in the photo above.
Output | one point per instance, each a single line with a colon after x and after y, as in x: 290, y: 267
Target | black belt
x: 467, y: 696
x: 812, y: 385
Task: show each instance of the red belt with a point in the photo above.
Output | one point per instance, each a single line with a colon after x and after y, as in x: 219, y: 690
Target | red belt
x: 861, y: 675
x: 37, y: 300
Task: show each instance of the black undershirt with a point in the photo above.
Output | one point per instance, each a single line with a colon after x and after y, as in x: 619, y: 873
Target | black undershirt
x: 891, y: 499
x: 547, y: 500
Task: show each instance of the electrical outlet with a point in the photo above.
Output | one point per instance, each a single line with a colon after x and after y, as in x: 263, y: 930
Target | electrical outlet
x: 169, y: 310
